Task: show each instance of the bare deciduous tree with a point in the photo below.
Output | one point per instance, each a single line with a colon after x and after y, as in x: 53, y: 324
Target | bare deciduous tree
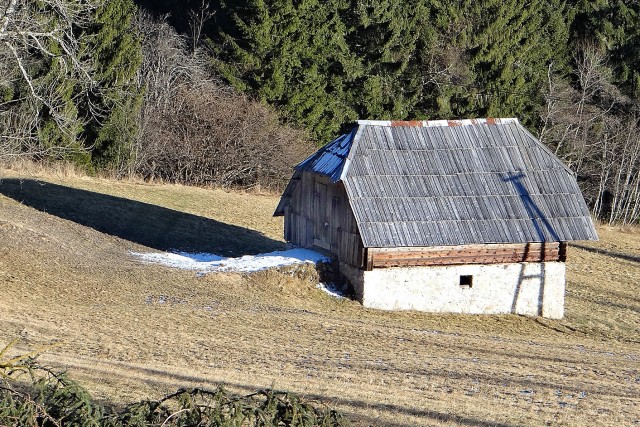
x: 623, y: 174
x: 197, y: 21
x: 593, y: 131
x: 35, y: 35
x: 195, y: 130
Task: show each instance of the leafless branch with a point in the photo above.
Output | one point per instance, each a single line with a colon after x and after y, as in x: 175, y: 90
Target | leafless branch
x: 28, y: 29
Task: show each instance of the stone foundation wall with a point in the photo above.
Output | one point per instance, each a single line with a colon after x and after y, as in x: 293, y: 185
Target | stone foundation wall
x: 535, y: 289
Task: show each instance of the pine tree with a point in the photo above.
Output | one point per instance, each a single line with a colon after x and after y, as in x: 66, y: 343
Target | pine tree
x: 323, y: 64
x: 293, y: 55
x: 503, y: 48
x: 59, y: 140
x: 41, y: 74
x: 69, y: 79
x: 115, y: 50
x: 389, y: 38
x: 615, y: 26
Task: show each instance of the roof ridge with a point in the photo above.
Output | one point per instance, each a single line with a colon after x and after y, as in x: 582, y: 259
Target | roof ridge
x: 439, y: 123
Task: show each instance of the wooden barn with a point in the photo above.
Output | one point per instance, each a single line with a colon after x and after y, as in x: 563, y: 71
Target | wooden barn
x: 464, y: 216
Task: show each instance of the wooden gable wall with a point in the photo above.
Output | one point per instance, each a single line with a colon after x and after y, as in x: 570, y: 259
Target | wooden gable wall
x: 319, y: 215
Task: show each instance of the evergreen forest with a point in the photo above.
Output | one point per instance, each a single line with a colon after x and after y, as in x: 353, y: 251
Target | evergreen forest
x: 233, y: 93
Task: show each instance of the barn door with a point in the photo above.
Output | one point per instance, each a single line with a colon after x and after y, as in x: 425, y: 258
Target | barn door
x: 321, y: 230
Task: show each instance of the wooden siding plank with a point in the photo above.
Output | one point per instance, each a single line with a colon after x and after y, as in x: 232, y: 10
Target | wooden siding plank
x: 369, y: 260
x: 287, y: 223
x: 443, y: 261
x: 468, y: 254
x: 431, y: 255
x: 535, y: 246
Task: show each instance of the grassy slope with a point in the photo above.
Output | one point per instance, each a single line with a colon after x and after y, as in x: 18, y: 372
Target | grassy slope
x: 64, y: 279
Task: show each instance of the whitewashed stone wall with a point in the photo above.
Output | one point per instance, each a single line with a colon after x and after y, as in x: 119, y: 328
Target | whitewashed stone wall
x: 535, y: 289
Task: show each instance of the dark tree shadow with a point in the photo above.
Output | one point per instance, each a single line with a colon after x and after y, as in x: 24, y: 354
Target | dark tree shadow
x: 143, y: 223
x: 608, y: 253
x: 154, y: 376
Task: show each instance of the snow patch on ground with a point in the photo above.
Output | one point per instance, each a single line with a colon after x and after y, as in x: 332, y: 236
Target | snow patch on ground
x: 205, y: 262
x: 332, y: 289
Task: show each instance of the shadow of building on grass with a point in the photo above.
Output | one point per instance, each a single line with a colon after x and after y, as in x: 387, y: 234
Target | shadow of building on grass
x: 143, y: 223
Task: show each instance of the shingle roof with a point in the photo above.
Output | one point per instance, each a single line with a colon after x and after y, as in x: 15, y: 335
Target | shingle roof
x: 453, y: 183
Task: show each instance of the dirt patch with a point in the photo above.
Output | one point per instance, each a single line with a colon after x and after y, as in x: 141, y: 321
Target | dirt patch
x: 132, y: 330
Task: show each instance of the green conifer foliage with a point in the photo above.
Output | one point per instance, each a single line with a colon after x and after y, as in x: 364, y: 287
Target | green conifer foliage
x: 389, y: 38
x: 324, y: 64
x: 61, y: 142
x: 507, y: 46
x: 53, y: 79
x: 50, y: 134
x: 69, y: 80
x: 615, y: 26
x: 294, y: 55
x: 115, y: 49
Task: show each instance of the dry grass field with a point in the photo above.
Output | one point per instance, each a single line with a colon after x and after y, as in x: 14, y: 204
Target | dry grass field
x: 131, y: 330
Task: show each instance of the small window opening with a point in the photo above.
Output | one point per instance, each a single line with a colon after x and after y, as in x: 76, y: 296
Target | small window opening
x: 466, y: 281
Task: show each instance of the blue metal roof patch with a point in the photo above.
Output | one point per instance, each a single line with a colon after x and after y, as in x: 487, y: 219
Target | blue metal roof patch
x: 330, y: 159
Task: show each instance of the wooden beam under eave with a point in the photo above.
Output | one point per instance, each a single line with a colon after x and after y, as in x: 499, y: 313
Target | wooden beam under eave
x: 563, y: 251
x: 369, y: 259
x: 465, y: 254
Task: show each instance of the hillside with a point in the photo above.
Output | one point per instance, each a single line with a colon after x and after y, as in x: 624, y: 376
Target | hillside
x: 132, y: 330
